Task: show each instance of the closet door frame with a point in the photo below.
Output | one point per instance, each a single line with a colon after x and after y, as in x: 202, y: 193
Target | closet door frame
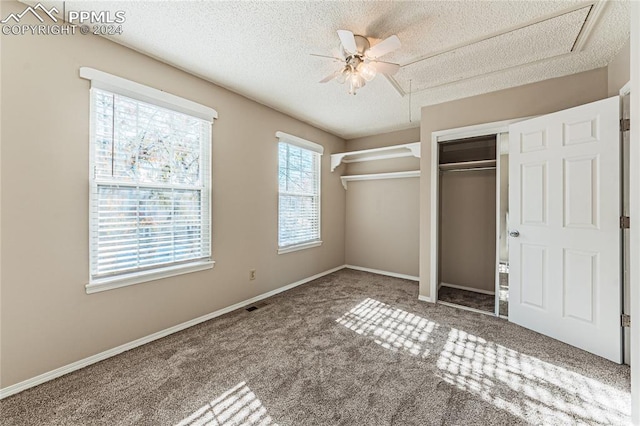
x: 487, y: 129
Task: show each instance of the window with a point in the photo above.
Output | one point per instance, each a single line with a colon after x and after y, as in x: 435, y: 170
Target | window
x: 150, y: 185
x: 299, y: 193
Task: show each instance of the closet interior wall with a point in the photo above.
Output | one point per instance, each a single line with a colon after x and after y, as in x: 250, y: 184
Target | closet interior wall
x: 467, y: 241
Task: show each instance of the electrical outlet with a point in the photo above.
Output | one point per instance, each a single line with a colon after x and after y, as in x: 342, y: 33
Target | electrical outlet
x: 252, y: 274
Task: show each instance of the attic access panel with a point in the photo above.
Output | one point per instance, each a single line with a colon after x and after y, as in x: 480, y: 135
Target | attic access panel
x: 535, y: 42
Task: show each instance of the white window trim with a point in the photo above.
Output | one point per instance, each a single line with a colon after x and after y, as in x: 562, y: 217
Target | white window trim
x: 140, y: 92
x: 109, y: 283
x: 312, y: 146
x: 297, y: 247
x: 131, y: 89
x: 299, y: 142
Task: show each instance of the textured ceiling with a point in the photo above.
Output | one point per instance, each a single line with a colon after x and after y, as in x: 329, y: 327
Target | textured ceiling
x: 543, y: 40
x: 450, y: 49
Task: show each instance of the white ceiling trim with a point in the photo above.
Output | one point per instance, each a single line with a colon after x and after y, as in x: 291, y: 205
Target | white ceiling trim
x: 503, y: 32
x: 590, y: 24
x: 487, y: 74
x: 596, y: 9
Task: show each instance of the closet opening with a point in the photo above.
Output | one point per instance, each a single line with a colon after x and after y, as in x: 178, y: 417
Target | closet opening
x: 472, y: 217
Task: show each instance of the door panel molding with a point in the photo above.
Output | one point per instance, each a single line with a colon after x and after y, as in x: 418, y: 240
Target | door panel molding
x: 581, y: 191
x: 578, y: 283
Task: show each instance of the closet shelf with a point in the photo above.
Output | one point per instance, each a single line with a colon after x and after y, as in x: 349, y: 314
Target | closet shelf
x: 374, y: 176
x: 467, y: 165
x: 394, y: 151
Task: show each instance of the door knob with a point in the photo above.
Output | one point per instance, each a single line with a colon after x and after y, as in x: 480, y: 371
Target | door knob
x: 514, y: 233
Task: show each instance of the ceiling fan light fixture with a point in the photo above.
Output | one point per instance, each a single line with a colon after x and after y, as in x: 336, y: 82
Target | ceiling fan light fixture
x: 355, y: 81
x: 361, y: 60
x: 367, y: 71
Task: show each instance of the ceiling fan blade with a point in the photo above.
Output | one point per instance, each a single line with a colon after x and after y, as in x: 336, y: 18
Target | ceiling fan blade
x: 348, y: 41
x: 387, y: 45
x: 335, y: 58
x: 330, y: 77
x: 386, y: 68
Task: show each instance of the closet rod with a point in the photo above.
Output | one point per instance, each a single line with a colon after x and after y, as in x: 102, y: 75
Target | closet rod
x: 468, y: 164
x: 475, y: 169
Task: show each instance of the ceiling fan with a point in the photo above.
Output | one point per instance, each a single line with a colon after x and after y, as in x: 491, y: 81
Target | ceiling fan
x: 360, y: 60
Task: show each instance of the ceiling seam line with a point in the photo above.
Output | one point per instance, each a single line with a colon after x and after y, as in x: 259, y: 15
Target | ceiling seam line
x: 590, y: 6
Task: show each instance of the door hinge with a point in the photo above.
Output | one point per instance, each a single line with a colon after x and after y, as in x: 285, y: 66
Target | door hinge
x: 625, y: 222
x: 625, y: 320
x: 625, y: 124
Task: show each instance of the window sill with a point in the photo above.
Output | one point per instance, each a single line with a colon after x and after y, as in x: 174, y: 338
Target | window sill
x: 104, y: 284
x: 297, y: 247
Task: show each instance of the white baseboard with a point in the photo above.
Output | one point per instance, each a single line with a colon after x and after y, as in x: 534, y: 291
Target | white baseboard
x: 45, y: 377
x: 466, y: 308
x: 391, y: 274
x: 461, y: 287
x: 379, y: 272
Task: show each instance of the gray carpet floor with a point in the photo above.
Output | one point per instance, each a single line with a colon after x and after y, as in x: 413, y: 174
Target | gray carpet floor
x: 483, y: 302
x: 351, y: 348
x: 470, y: 299
x: 504, y: 294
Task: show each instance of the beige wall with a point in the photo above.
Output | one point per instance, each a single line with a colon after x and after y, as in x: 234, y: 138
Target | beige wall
x: 382, y: 166
x: 531, y: 99
x: 382, y: 225
x: 468, y: 229
x: 618, y: 70
x: 47, y: 318
x: 382, y: 216
x: 385, y: 139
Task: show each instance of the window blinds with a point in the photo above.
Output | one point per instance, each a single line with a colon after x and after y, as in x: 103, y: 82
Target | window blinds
x: 150, y: 198
x: 299, y: 195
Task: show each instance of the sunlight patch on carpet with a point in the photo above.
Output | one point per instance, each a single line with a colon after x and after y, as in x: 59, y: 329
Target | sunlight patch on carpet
x: 520, y: 384
x: 237, y: 406
x: 497, y: 374
x: 389, y: 327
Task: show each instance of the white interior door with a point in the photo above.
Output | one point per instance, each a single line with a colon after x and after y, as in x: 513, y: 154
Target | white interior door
x: 564, y: 202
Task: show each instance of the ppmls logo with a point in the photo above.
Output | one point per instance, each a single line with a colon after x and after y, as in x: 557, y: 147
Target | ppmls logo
x: 88, y: 22
x: 33, y: 11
